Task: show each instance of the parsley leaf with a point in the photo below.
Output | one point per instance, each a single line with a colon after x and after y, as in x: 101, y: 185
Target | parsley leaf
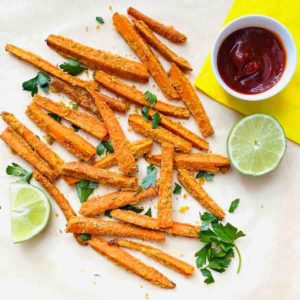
x: 105, y: 146
x: 205, y: 175
x: 150, y: 179
x: 72, y: 67
x: 156, y: 120
x: 84, y: 189
x: 132, y: 208
x: 41, y: 79
x: 209, y: 278
x: 151, y: 98
x: 234, y: 204
x: 85, y: 236
x: 145, y: 112
x: 100, y: 20
x: 177, y: 189
x: 148, y: 212
x: 16, y: 170
x: 54, y: 116
x: 74, y: 106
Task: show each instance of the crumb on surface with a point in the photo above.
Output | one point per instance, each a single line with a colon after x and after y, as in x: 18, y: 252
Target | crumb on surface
x: 201, y: 180
x: 184, y: 196
x: 183, y: 209
x: 147, y: 296
x: 56, y: 215
x: 98, y: 27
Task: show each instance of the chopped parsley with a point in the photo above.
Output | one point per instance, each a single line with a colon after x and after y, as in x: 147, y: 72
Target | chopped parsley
x: 72, y: 67
x: 207, y: 176
x: 105, y: 146
x: 41, y: 80
x: 234, y: 204
x: 148, y: 212
x: 150, y: 179
x: 145, y: 112
x: 84, y: 189
x: 16, y: 170
x: 151, y: 98
x: 177, y: 189
x: 100, y: 20
x: 85, y: 236
x: 55, y: 117
x: 156, y: 120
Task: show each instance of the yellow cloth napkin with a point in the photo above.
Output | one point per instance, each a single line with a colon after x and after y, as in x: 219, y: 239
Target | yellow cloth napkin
x: 285, y: 106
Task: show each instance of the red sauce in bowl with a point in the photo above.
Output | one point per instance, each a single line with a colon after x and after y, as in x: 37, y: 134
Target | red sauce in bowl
x: 251, y: 60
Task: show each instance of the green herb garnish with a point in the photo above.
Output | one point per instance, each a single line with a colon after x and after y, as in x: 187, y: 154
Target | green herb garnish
x: 100, y: 20
x: 74, y: 106
x: 126, y: 207
x: 207, y: 176
x: 84, y: 189
x: 177, y: 189
x: 41, y: 80
x: 145, y: 112
x: 151, y: 98
x: 16, y: 170
x: 220, y: 243
x: 149, y: 212
x: 150, y: 178
x: 234, y: 204
x: 156, y: 120
x: 105, y: 146
x: 76, y: 128
x: 72, y: 67
x: 85, y: 236
x: 55, y: 117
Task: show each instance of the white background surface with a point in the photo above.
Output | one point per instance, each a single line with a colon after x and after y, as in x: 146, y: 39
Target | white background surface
x: 53, y: 265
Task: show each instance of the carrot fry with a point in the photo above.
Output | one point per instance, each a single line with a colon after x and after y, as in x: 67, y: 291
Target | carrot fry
x: 101, y: 227
x: 84, y: 121
x: 190, y: 183
x: 165, y: 51
x: 45, y: 66
x: 98, y: 59
x: 160, y: 256
x: 166, y: 31
x: 134, y: 95
x: 178, y: 129
x: 73, y: 142
x: 99, y: 205
x: 20, y: 147
x: 34, y: 142
x: 179, y: 229
x: 122, y: 148
x: 85, y: 171
x: 159, y: 134
x: 164, y: 206
x: 59, y: 198
x: 196, y: 162
x: 191, y: 100
x: 84, y: 99
x: 130, y: 263
x: 145, y: 54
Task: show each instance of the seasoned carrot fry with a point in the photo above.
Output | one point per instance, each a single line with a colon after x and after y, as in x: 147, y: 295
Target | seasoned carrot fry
x: 98, y: 59
x: 34, y: 142
x: 122, y: 148
x: 159, y: 134
x: 99, y: 205
x: 85, y: 171
x: 84, y: 99
x: 166, y: 31
x: 191, y: 100
x: 84, y: 121
x: 178, y: 129
x: 190, y: 183
x: 164, y: 206
x: 101, y: 227
x: 134, y: 95
x: 45, y: 66
x: 179, y: 229
x: 59, y: 198
x: 20, y: 147
x: 195, y: 162
x: 165, y: 51
x: 65, y: 136
x: 160, y: 256
x: 145, y: 54
x: 130, y: 263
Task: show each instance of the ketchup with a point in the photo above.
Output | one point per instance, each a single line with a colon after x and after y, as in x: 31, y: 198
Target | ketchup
x: 251, y: 60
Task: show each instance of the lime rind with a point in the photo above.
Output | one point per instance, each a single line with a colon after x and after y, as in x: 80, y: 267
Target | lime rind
x: 256, y: 159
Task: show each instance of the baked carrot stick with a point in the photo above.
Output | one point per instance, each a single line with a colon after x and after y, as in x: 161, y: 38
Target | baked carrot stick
x: 157, y: 254
x: 101, y: 227
x: 178, y: 129
x: 98, y: 59
x: 134, y: 95
x: 168, y: 32
x: 159, y: 134
x: 163, y: 49
x: 190, y: 183
x: 84, y: 99
x: 191, y: 100
x: 195, y: 162
x: 99, y: 205
x: 145, y: 54
x: 130, y: 263
x: 34, y: 142
x: 65, y: 136
x: 45, y: 66
x: 122, y: 148
x: 85, y: 171
x: 86, y: 122
x: 178, y: 229
x: 21, y: 148
x: 164, y: 206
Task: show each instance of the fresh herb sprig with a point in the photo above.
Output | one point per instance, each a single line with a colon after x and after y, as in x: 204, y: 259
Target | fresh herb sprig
x: 16, y: 170
x: 72, y: 67
x: 84, y: 189
x: 220, y: 243
x: 41, y: 80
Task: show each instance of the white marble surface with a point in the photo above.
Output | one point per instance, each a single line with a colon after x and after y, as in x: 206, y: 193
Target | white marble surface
x: 53, y: 266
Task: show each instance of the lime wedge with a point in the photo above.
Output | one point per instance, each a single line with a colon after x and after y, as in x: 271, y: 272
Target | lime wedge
x: 256, y: 144
x: 30, y: 211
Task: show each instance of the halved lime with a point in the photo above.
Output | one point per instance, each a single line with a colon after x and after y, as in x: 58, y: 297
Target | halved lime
x: 30, y: 211
x: 256, y: 144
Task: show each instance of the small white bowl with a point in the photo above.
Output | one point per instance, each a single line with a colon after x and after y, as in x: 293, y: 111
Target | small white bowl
x: 273, y: 26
